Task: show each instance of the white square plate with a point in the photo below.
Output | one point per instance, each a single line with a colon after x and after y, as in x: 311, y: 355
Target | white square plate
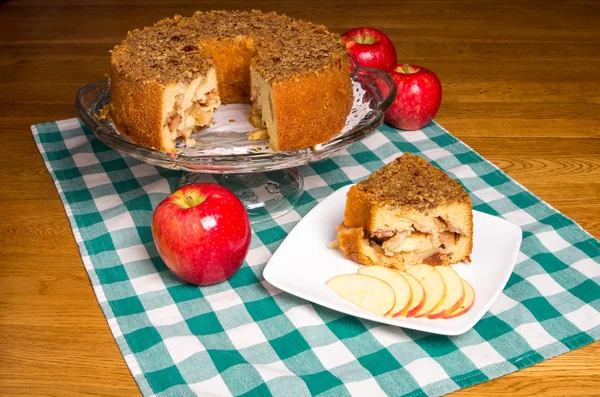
x: 303, y: 264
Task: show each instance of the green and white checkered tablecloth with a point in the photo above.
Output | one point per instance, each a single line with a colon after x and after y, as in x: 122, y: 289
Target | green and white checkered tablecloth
x: 245, y: 337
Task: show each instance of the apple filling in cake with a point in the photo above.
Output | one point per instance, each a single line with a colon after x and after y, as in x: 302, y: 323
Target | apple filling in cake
x: 187, y: 107
x: 405, y: 243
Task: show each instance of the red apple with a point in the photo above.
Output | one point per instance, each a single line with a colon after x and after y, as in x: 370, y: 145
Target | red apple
x: 371, y: 48
x: 417, y: 100
x: 202, y: 233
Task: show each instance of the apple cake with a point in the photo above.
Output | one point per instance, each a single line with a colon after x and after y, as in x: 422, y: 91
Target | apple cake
x: 167, y: 80
x: 407, y: 212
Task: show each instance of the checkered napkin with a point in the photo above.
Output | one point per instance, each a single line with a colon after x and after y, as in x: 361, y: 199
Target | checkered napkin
x: 245, y: 337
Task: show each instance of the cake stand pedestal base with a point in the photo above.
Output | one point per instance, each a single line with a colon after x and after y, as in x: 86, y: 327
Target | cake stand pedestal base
x: 265, y: 195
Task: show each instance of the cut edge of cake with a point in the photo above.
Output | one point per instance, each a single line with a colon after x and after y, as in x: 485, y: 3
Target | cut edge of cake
x: 262, y: 111
x: 188, y: 106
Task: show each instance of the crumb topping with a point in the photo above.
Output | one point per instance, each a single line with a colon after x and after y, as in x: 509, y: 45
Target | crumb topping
x: 102, y: 113
x: 411, y: 181
x: 172, y: 49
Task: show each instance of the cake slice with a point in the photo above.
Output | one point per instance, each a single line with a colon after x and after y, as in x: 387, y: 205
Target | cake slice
x: 407, y: 212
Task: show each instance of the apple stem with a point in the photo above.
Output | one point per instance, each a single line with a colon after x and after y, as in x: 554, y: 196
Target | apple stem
x: 406, y: 68
x: 365, y: 39
x: 190, y: 201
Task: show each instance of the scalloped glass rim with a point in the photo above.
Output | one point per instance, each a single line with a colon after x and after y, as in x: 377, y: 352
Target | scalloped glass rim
x: 379, y: 89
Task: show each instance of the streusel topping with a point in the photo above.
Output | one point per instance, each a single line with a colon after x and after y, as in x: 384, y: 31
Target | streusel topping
x: 172, y: 49
x: 411, y: 181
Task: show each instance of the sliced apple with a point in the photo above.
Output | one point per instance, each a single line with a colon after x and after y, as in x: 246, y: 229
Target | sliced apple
x: 418, y: 298
x: 433, y: 284
x: 455, y: 292
x: 368, y: 292
x: 467, y: 302
x: 397, y: 281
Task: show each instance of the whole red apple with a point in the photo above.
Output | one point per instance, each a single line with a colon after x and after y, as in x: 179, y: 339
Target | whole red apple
x: 202, y: 233
x: 417, y: 100
x: 371, y: 48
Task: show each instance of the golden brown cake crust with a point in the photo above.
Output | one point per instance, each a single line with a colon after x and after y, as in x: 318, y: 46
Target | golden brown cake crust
x: 350, y: 240
x: 411, y: 181
x: 312, y: 107
x: 138, y: 111
x: 357, y: 212
x: 232, y: 58
x: 307, y: 61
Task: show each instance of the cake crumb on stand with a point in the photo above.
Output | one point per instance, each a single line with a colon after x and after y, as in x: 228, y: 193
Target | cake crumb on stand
x: 258, y: 135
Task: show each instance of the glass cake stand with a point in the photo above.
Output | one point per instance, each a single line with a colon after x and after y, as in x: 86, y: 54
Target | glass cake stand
x: 267, y: 182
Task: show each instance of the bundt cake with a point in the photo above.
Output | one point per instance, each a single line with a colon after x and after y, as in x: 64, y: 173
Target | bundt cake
x: 167, y: 80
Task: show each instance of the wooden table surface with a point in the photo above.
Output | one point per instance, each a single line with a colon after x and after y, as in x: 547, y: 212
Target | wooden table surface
x: 521, y: 81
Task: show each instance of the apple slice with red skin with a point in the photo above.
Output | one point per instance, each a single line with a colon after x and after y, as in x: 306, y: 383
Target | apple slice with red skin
x: 367, y: 292
x: 419, y: 295
x: 455, y: 292
x: 397, y: 281
x: 433, y: 284
x: 467, y: 302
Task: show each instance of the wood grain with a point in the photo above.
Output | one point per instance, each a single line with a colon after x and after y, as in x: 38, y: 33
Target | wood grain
x: 521, y: 86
